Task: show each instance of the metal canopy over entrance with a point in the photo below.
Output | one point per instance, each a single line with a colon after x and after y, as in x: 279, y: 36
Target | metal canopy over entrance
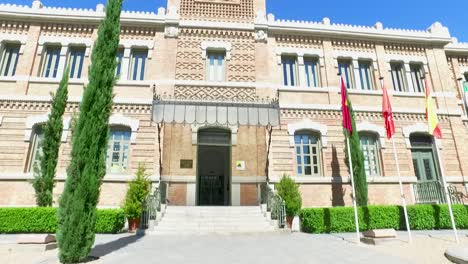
x: 216, y: 113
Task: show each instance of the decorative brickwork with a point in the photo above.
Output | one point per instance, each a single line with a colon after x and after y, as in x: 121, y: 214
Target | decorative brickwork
x: 405, y: 49
x: 217, y: 10
x: 13, y: 27
x: 298, y: 41
x: 67, y: 30
x: 348, y: 45
x: 214, y: 93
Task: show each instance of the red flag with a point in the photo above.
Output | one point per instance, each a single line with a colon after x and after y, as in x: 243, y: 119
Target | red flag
x: 345, y: 109
x: 387, y: 113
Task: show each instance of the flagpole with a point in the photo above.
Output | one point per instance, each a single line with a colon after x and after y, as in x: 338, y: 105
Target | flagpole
x: 356, y: 219
x: 403, y: 198
x: 444, y: 183
x: 463, y: 97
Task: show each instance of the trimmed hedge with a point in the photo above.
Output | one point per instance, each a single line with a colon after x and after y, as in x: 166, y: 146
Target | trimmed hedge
x: 44, y: 220
x: 421, y: 217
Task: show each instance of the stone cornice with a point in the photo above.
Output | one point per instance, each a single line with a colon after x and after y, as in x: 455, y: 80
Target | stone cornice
x: 38, y: 12
x: 436, y: 33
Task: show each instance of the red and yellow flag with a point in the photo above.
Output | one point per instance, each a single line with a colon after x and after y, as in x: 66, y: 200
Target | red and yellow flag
x: 431, y: 115
x: 345, y: 108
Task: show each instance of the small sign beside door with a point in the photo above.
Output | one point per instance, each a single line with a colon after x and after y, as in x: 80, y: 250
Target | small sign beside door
x: 186, y: 164
x: 240, y: 165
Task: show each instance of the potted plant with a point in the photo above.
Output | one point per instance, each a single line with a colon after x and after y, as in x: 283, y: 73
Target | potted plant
x: 289, y: 191
x: 138, y: 190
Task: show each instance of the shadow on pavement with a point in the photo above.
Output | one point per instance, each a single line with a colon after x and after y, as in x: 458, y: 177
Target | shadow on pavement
x: 109, y: 247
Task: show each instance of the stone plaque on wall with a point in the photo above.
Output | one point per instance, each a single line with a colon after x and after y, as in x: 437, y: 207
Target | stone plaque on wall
x: 186, y: 164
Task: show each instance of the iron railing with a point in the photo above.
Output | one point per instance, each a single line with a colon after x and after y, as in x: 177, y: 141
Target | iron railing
x: 432, y: 192
x: 151, y: 209
x: 274, y: 204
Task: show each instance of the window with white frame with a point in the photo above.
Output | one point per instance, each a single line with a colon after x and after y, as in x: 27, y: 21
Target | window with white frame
x: 9, y: 59
x: 289, y: 65
x: 118, y: 150
x: 35, y: 148
x: 120, y: 55
x: 76, y: 58
x: 308, y: 158
x: 346, y: 70
x: 417, y: 74
x: 398, y: 76
x: 215, y: 66
x: 138, y: 64
x: 370, y: 149
x: 365, y: 75
x: 50, y: 61
x: 311, y: 66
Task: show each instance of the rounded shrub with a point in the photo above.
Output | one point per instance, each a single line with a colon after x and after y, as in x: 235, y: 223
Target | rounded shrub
x: 289, y: 191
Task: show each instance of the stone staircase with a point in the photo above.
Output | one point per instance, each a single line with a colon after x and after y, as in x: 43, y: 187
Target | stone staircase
x: 213, y: 220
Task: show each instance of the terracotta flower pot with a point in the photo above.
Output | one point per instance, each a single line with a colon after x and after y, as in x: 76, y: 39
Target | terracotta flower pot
x: 133, y: 224
x: 289, y: 220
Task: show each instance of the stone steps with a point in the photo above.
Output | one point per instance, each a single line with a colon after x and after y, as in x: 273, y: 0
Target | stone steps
x: 179, y: 220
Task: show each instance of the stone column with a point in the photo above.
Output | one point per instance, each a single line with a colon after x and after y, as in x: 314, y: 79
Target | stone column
x: 302, y: 79
x: 409, y: 83
x: 62, y: 61
x: 357, y: 77
x: 124, y: 74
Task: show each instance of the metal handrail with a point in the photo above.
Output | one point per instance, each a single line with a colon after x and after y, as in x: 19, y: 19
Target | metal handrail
x: 151, y: 208
x: 432, y: 192
x: 274, y: 204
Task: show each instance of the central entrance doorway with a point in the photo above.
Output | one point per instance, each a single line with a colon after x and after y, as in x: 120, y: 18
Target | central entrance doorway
x: 214, y: 167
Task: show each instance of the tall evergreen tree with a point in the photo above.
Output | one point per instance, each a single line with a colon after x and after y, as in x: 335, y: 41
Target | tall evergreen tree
x: 77, y: 213
x: 44, y: 175
x: 357, y: 158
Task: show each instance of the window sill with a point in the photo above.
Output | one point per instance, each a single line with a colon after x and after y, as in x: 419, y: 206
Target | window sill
x: 408, y: 94
x: 134, y: 83
x: 367, y: 92
x: 9, y: 78
x: 303, y: 89
x: 56, y: 80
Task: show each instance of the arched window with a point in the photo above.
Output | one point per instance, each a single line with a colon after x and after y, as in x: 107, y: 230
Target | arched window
x: 370, y: 149
x: 35, y: 148
x: 308, y: 158
x: 118, y: 149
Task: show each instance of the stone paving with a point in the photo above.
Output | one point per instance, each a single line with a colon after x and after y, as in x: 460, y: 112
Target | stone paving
x: 428, y: 247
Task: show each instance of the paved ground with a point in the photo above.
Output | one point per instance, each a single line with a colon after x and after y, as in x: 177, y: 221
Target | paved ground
x: 428, y: 247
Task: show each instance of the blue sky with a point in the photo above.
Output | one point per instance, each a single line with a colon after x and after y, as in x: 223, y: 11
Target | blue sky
x: 411, y: 14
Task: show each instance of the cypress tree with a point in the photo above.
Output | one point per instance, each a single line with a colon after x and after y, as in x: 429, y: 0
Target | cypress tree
x: 77, y: 212
x: 43, y: 181
x: 357, y: 158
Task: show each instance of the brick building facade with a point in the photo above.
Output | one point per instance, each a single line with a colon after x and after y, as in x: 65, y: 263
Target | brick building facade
x: 215, y: 98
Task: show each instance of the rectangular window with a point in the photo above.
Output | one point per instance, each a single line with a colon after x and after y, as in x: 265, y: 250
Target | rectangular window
x: 76, y: 59
x: 466, y: 76
x: 365, y: 74
x: 371, y: 155
x: 312, y: 71
x: 9, y: 59
x: 50, y: 63
x: 118, y: 68
x: 307, y: 154
x: 416, y: 77
x: 346, y: 71
x: 216, y: 66
x: 137, y: 65
x: 289, y: 71
x: 398, y: 76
